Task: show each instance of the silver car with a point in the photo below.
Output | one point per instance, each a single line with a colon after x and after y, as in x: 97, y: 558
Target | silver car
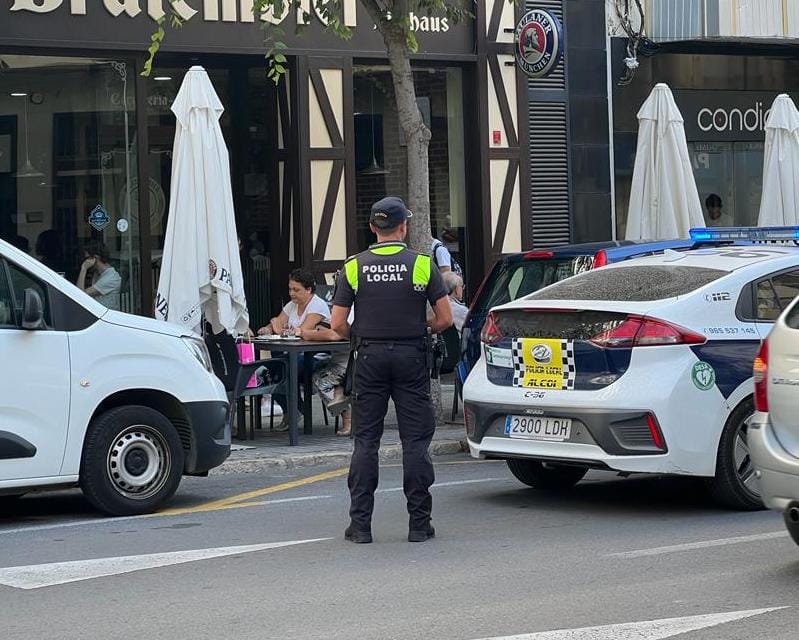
x: 774, y: 431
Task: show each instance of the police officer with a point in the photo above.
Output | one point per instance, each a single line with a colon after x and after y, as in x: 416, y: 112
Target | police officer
x: 390, y: 287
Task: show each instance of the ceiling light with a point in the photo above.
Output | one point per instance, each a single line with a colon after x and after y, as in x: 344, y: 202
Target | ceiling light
x: 18, y: 94
x: 162, y: 78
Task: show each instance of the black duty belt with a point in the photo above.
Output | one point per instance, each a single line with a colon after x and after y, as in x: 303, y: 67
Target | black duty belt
x: 399, y: 341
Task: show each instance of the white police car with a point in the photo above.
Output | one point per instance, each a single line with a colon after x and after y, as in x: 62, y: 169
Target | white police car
x: 642, y: 366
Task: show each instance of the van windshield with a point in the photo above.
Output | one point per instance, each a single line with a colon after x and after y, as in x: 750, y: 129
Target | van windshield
x: 518, y: 279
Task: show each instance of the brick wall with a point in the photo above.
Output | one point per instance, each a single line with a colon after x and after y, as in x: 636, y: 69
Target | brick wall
x: 370, y: 188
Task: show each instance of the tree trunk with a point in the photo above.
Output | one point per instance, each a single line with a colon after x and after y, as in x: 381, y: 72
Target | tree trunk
x: 417, y: 137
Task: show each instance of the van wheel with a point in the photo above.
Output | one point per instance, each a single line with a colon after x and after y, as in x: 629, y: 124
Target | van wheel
x: 132, y: 461
x: 735, y: 484
x: 546, y: 476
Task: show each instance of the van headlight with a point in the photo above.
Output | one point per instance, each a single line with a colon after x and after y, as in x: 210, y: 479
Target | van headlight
x: 200, y: 351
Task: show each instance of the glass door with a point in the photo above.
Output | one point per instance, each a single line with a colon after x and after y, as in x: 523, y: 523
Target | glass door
x: 71, y: 173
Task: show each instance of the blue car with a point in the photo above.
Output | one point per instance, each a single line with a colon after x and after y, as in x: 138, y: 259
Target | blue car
x: 520, y: 274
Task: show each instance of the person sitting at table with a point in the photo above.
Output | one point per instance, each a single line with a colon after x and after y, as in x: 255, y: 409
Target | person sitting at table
x: 328, y: 379
x: 303, y: 312
x: 106, y: 281
x: 454, y: 284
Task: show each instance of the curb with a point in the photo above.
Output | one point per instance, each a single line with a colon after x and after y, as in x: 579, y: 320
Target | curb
x: 388, y: 453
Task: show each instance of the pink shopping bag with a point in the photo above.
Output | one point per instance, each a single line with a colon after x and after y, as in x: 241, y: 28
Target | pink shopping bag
x: 246, y: 356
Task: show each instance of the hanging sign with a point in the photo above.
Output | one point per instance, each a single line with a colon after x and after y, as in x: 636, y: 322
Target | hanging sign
x: 539, y: 43
x: 99, y: 218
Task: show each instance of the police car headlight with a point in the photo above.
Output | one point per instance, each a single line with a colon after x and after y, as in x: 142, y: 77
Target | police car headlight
x: 199, y: 351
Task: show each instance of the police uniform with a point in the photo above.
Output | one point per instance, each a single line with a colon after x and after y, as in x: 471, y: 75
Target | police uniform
x: 390, y: 287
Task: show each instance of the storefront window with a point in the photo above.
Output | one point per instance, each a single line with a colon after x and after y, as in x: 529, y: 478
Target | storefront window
x: 68, y: 165
x: 729, y: 177
x: 380, y: 149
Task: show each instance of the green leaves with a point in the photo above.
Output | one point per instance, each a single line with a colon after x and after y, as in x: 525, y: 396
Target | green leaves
x: 157, y: 38
x: 155, y: 44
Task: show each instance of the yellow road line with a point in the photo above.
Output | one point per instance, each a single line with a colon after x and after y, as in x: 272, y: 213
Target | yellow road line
x: 232, y: 501
x: 241, y: 500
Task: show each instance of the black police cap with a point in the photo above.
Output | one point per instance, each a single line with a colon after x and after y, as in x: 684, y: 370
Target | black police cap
x: 389, y: 213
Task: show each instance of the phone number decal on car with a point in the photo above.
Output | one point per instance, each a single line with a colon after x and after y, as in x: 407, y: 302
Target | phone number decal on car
x: 730, y: 331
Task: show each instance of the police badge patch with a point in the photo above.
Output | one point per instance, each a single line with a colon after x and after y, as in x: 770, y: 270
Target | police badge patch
x: 539, y: 43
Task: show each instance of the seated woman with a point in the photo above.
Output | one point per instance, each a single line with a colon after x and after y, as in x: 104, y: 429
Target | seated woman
x: 304, y: 311
x: 328, y: 380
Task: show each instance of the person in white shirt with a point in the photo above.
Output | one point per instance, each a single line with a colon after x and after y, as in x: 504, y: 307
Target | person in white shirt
x: 441, y: 255
x: 454, y: 285
x: 716, y: 216
x: 106, y: 281
x: 305, y: 309
x: 302, y: 314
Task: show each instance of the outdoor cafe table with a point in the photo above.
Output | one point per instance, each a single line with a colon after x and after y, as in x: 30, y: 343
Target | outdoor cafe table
x: 293, y: 349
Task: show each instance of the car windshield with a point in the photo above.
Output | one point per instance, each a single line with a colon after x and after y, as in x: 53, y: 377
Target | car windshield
x: 518, y: 279
x: 631, y: 283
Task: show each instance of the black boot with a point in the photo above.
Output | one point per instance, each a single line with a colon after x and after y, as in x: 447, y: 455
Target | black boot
x: 357, y: 536
x: 421, y: 534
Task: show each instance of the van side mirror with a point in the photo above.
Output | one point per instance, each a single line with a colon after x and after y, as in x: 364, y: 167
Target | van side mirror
x: 32, y: 310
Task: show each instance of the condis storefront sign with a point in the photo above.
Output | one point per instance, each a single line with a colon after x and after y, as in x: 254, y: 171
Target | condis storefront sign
x: 725, y: 116
x: 735, y: 119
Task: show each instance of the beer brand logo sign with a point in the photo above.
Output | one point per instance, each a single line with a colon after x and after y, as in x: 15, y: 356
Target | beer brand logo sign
x: 539, y: 43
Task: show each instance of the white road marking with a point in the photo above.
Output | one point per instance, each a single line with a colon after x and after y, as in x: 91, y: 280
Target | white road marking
x: 689, y: 546
x: 36, y: 576
x: 649, y: 630
x: 70, y: 523
x: 284, y: 500
x: 439, y: 485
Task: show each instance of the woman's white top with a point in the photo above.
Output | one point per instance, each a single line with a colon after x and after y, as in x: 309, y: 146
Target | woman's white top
x: 315, y: 305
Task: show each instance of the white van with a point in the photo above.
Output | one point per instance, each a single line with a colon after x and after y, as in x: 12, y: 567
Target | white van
x: 118, y: 404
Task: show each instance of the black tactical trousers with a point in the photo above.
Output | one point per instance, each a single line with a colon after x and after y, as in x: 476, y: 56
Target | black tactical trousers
x: 394, y: 370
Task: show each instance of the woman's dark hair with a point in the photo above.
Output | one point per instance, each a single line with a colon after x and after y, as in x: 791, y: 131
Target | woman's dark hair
x: 48, y: 244
x: 97, y: 248
x: 304, y: 277
x: 713, y: 200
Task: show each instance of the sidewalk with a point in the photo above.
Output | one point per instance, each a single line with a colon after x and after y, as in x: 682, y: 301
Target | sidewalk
x: 271, y: 449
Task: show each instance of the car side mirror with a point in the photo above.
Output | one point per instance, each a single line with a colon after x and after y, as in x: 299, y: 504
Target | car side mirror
x: 32, y: 310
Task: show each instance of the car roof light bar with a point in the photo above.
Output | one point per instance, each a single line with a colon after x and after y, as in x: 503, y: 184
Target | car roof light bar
x: 752, y: 234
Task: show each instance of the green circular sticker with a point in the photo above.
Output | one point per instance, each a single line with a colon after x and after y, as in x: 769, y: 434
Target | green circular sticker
x: 703, y: 376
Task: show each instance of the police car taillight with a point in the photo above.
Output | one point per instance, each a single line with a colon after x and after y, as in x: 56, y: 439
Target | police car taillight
x: 490, y: 333
x: 636, y: 331
x: 760, y: 375
x: 600, y: 259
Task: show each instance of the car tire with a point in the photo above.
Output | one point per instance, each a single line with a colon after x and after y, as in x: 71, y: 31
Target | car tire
x: 546, y: 476
x: 735, y: 483
x: 792, y: 526
x: 132, y: 461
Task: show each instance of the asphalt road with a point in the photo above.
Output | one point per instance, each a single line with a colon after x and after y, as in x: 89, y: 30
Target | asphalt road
x: 507, y: 560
